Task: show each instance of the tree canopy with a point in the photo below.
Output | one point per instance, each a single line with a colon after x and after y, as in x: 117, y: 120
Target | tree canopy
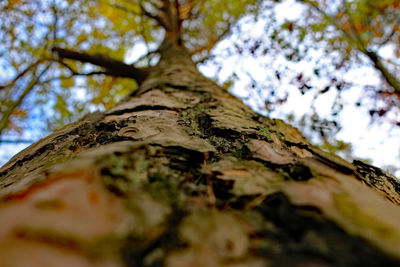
x: 33, y: 33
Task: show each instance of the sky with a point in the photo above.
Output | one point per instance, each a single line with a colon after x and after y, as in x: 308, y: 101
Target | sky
x: 378, y: 142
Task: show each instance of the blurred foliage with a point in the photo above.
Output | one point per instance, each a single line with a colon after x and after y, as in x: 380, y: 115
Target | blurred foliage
x: 61, y: 90
x: 353, y: 34
x: 359, y: 32
x: 317, y: 46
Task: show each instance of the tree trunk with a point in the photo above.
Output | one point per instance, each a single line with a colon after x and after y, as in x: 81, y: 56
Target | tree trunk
x: 181, y: 173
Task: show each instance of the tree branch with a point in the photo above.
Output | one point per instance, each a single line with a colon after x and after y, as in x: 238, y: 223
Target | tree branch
x: 124, y: 8
x: 391, y: 34
x: 178, y: 16
x: 390, y: 79
x: 157, y: 17
x: 112, y: 67
x: 185, y: 12
x: 212, y: 42
x: 6, y: 115
x: 355, y: 38
x: 204, y: 59
x: 149, y: 55
x: 75, y: 74
x: 166, y: 11
x: 19, y: 75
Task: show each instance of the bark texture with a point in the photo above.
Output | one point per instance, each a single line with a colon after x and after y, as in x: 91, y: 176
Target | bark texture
x: 183, y: 174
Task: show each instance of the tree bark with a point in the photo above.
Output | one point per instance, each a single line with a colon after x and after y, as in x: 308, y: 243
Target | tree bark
x: 181, y: 173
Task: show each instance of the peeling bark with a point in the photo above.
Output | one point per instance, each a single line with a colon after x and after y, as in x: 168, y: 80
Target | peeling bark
x: 183, y: 174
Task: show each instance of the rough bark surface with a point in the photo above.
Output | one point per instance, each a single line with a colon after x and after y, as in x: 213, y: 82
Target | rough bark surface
x: 183, y: 174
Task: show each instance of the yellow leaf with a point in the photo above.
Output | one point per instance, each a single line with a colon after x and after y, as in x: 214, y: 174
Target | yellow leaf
x: 67, y: 83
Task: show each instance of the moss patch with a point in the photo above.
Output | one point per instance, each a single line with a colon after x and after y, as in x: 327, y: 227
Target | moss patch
x: 120, y: 172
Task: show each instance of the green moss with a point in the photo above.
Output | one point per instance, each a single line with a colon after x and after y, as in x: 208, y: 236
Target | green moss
x: 197, y: 120
x: 156, y: 178
x: 264, y: 132
x: 122, y: 171
x: 222, y: 144
x: 242, y: 152
x: 286, y: 132
x: 163, y: 189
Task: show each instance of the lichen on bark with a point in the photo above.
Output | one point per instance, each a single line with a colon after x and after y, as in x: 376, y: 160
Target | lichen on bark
x: 182, y: 174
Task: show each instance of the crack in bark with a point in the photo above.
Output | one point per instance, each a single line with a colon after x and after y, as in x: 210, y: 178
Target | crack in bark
x: 302, y: 231
x: 143, y: 108
x: 135, y: 251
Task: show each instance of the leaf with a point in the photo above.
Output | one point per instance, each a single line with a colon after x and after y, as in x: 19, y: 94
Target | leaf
x: 61, y: 107
x: 67, y: 82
